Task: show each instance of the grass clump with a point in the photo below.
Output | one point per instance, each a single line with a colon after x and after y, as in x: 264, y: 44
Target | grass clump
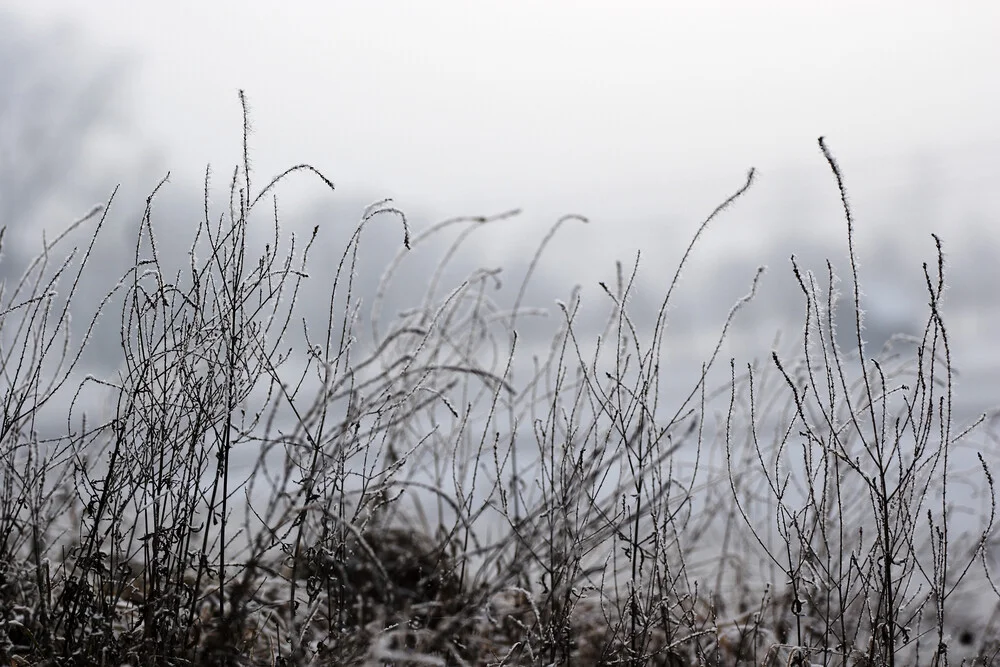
x: 430, y: 494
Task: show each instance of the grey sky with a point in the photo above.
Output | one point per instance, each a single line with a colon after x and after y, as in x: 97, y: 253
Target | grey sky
x: 641, y: 116
x: 602, y: 108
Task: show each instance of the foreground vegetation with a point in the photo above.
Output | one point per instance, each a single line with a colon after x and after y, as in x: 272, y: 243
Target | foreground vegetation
x: 429, y: 494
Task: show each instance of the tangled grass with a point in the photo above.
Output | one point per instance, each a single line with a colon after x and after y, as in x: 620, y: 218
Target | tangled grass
x: 427, y: 496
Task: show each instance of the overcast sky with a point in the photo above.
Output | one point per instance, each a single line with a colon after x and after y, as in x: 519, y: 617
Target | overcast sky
x: 598, y: 107
x: 641, y: 116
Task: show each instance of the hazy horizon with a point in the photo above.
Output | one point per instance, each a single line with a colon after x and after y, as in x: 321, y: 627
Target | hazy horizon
x: 641, y: 118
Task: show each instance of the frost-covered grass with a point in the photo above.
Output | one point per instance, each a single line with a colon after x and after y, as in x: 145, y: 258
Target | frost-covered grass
x: 429, y: 491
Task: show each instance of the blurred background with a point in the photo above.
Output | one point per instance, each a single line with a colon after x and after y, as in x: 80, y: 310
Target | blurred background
x: 640, y: 116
